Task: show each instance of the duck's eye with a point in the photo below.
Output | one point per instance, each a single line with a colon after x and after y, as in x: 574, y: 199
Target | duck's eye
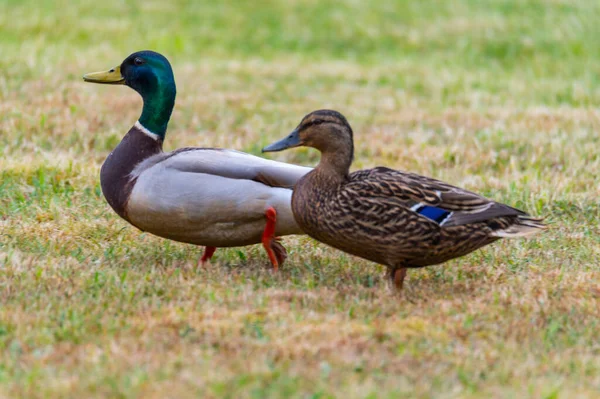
x: 138, y: 61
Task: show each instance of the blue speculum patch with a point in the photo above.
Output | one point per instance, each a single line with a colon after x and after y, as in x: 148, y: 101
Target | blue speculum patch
x: 433, y: 213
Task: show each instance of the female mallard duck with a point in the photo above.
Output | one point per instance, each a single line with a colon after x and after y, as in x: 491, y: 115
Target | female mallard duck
x: 398, y: 219
x: 203, y: 196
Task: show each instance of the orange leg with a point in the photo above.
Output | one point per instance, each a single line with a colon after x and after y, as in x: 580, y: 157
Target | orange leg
x: 208, y: 253
x: 269, y: 235
x: 397, y: 276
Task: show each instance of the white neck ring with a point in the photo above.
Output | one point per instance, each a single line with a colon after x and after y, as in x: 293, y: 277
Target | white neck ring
x: 147, y: 132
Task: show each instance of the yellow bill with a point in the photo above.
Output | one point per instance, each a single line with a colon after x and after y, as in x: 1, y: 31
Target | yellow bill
x: 110, y: 77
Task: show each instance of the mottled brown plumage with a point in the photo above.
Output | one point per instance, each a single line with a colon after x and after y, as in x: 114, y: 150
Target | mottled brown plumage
x: 398, y: 219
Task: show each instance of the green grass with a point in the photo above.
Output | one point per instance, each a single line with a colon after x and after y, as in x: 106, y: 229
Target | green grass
x: 498, y: 96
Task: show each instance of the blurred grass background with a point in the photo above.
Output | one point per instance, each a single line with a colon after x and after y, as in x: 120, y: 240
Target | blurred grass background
x: 531, y: 39
x: 499, y: 96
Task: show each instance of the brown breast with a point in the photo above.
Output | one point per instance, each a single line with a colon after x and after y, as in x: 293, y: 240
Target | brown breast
x: 115, y: 173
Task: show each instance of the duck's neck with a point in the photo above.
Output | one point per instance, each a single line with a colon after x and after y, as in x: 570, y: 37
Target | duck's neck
x: 158, y: 106
x: 317, y: 188
x: 323, y: 181
x: 335, y: 166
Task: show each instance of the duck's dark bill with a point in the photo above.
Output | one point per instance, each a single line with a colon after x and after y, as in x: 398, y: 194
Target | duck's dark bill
x: 293, y: 140
x: 110, y: 77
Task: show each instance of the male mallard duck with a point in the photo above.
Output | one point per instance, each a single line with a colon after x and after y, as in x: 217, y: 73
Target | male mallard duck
x: 398, y: 219
x: 203, y: 196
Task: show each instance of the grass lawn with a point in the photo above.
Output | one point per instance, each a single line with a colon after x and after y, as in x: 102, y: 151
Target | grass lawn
x: 498, y: 96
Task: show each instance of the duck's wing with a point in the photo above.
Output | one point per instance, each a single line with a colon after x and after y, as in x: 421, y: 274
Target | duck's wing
x: 435, y: 200
x: 211, y: 196
x: 228, y: 163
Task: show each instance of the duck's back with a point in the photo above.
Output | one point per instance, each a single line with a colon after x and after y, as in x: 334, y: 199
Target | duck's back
x: 348, y: 217
x: 378, y: 214
x: 214, y: 197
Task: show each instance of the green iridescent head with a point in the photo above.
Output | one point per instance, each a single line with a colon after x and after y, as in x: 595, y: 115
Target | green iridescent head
x: 150, y: 74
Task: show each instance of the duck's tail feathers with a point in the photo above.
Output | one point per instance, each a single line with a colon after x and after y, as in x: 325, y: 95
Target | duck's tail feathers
x: 523, y: 226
